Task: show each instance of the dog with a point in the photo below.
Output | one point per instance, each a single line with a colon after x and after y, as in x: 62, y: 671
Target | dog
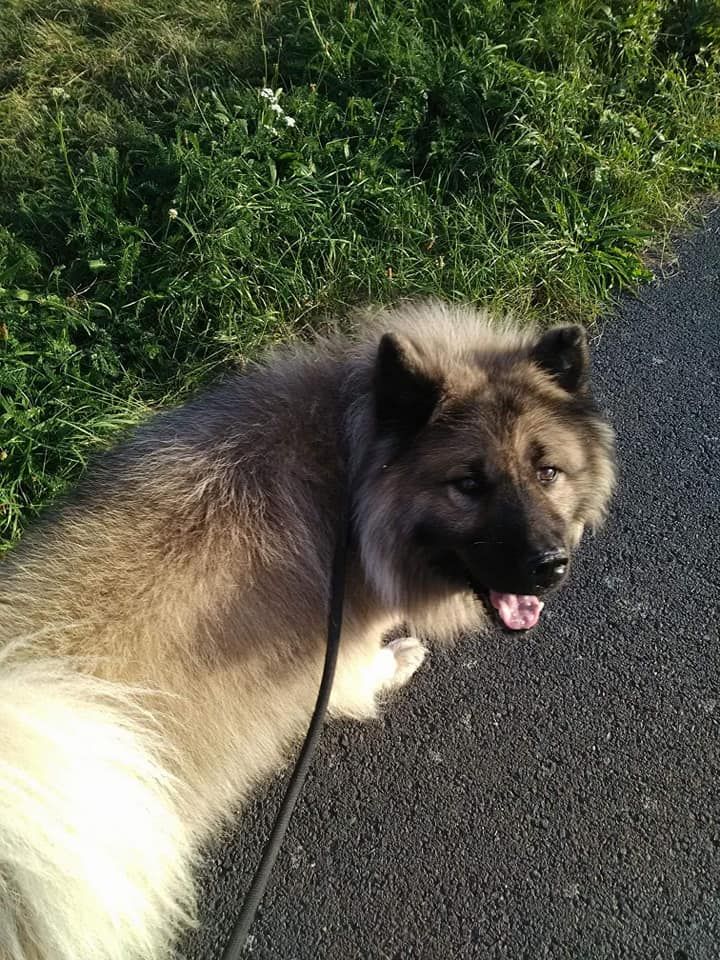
x: 162, y: 631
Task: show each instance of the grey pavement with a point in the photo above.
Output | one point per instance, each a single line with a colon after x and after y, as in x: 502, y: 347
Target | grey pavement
x: 555, y: 794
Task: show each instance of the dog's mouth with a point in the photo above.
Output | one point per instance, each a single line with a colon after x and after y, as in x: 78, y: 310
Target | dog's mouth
x: 516, y: 611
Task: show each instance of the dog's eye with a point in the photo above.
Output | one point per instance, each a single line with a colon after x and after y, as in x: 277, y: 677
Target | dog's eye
x: 470, y: 486
x: 546, y: 474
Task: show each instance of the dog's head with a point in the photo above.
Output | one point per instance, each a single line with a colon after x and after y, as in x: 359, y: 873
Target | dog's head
x: 488, y: 461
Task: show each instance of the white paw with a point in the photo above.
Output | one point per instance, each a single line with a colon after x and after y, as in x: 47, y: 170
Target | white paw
x: 409, y: 654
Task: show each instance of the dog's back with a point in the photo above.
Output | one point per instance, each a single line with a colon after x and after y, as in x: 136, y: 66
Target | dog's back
x: 145, y: 624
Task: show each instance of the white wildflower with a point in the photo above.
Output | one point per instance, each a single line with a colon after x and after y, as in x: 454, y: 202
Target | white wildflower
x: 273, y: 97
x: 172, y: 213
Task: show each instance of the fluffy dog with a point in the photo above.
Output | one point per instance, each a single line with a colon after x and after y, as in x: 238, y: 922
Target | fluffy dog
x: 163, y: 630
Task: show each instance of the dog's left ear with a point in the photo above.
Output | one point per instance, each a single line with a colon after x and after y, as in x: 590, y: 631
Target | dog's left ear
x: 563, y: 353
x: 405, y: 394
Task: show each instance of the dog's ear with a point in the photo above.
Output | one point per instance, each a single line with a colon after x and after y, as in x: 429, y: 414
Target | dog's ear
x: 563, y: 353
x: 405, y: 394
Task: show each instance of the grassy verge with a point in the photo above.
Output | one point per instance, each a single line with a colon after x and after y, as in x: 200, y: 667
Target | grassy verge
x: 160, y: 215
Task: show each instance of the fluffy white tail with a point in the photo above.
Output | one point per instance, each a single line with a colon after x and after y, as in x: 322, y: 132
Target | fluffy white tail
x: 95, y: 855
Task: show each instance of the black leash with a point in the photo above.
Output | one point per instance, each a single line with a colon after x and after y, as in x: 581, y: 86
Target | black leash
x: 236, y: 944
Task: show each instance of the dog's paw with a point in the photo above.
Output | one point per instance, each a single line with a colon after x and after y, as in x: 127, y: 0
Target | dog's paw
x: 408, y: 653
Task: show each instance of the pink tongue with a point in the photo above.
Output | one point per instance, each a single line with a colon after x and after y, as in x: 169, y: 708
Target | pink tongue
x: 517, y: 612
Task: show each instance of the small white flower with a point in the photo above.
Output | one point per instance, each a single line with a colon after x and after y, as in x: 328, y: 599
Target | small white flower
x: 58, y: 93
x: 267, y: 93
x: 290, y: 121
x: 172, y: 213
x: 277, y: 108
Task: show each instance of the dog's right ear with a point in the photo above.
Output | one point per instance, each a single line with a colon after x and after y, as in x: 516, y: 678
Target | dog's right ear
x: 405, y: 395
x: 563, y: 353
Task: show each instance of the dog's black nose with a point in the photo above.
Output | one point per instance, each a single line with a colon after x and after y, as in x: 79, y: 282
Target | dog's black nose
x: 548, y: 568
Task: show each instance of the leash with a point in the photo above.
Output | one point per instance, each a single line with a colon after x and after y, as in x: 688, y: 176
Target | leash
x: 236, y: 945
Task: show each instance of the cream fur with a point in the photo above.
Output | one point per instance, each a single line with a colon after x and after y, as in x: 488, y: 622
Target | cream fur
x: 95, y: 851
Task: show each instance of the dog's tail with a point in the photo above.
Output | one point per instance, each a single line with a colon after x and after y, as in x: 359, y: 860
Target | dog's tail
x: 95, y: 853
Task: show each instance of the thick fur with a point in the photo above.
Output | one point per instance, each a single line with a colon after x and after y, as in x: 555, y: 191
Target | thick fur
x: 164, y: 628
x: 95, y: 834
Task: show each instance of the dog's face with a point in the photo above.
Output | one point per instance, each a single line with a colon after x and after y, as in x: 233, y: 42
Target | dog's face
x: 491, y: 474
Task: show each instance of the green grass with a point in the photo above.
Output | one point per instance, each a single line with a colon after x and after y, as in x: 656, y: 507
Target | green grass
x: 159, y: 218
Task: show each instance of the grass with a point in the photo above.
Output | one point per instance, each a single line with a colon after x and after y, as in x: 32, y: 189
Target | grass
x: 159, y: 216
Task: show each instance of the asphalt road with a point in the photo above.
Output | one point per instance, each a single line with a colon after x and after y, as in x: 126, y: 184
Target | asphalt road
x: 551, y: 795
